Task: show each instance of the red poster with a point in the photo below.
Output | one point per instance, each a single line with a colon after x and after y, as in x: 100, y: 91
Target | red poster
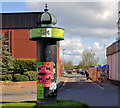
x: 44, y: 75
x: 48, y: 64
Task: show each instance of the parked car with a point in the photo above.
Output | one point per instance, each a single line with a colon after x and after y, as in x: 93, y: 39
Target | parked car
x: 80, y: 71
x: 69, y: 72
x: 64, y: 72
x: 74, y: 70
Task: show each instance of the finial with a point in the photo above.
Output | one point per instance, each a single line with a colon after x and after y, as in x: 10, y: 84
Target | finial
x: 46, y: 8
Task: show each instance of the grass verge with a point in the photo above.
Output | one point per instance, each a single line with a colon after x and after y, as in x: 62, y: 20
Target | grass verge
x: 33, y: 104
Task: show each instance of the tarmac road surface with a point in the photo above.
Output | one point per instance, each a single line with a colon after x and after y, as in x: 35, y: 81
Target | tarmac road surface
x: 75, y: 87
x: 79, y: 89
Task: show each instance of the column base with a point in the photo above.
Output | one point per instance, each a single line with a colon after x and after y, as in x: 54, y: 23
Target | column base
x: 47, y: 100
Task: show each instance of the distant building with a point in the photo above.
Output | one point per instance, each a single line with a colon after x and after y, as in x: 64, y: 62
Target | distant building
x: 113, y: 61
x: 118, y: 23
x: 113, y: 55
x: 15, y: 26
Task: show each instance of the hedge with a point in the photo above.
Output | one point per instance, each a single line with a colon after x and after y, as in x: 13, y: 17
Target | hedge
x: 24, y: 78
x: 19, y: 77
x: 23, y: 70
x: 3, y: 77
x: 31, y: 75
x: 9, y: 77
x: 16, y: 77
x: 24, y: 65
x: 6, y: 77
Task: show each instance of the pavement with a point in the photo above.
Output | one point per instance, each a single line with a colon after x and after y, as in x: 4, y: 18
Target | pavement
x: 23, y: 91
x: 105, y: 84
x: 61, y: 81
x: 19, y: 88
x: 68, y: 86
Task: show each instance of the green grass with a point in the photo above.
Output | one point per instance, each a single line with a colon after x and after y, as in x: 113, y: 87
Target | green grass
x: 33, y: 104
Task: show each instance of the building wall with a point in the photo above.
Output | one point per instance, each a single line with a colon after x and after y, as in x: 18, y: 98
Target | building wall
x: 19, y: 20
x: 21, y: 47
x: 119, y: 65
x: 20, y: 44
x: 109, y: 65
x: 113, y: 62
x: 113, y: 54
x: 113, y: 48
x: 59, y: 64
x: 16, y: 28
x: 93, y: 73
x: 118, y: 19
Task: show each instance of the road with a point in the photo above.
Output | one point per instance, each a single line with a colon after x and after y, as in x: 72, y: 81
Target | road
x: 77, y: 88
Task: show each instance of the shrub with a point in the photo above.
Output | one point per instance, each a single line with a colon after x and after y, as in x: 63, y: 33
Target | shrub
x: 4, y: 78
x: 0, y: 77
x: 24, y: 78
x: 31, y: 75
x: 9, y: 77
x: 16, y: 77
x: 23, y: 65
x: 19, y: 77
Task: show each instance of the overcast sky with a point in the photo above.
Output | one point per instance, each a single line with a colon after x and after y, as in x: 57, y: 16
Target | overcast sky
x: 88, y: 25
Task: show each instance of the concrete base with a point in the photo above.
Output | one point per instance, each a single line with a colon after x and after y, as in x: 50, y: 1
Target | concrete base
x: 47, y: 100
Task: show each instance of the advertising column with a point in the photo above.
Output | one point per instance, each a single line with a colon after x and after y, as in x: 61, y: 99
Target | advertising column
x: 46, y: 62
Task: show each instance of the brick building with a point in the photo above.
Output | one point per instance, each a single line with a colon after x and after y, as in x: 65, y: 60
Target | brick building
x: 113, y: 61
x: 15, y: 27
x: 113, y: 55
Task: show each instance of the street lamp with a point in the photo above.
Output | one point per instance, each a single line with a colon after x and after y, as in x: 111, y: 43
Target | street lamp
x: 104, y: 54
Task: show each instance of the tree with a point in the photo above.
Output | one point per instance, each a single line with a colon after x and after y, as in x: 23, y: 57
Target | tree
x: 76, y: 67
x: 67, y: 64
x: 5, y: 59
x: 88, y: 59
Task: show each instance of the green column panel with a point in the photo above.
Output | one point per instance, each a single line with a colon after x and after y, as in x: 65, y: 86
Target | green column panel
x: 39, y: 64
x: 40, y: 91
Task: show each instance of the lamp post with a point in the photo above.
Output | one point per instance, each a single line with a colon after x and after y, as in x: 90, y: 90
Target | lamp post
x: 104, y: 54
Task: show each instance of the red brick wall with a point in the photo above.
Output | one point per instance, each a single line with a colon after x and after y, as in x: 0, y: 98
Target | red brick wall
x: 21, y: 46
x: 24, y: 48
x: 93, y: 73
x: 59, y: 66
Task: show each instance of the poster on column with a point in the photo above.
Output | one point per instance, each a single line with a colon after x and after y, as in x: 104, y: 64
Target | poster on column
x: 48, y: 77
x: 55, y: 33
x: 53, y: 78
x: 44, y: 75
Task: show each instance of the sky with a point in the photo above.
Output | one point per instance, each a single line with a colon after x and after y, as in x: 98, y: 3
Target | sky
x: 89, y: 26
